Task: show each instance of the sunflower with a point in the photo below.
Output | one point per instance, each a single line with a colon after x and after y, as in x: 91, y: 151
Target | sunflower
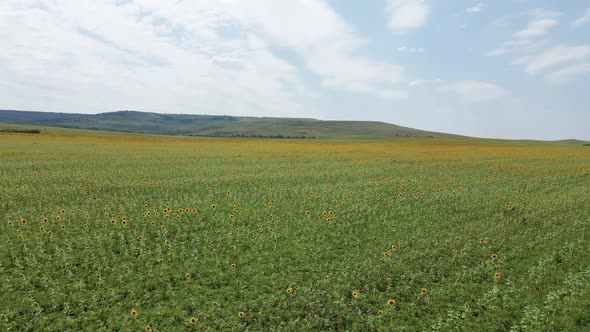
x: 113, y: 221
x: 167, y: 242
x: 270, y: 229
x: 388, y: 280
x: 181, y: 210
x: 233, y: 265
x: 124, y: 222
x: 63, y: 227
x: 386, y: 254
x: 241, y: 314
x: 193, y: 320
x: 42, y: 228
x: 328, y: 219
x: 139, y: 238
x: 393, y: 247
x: 455, y: 251
x: 62, y: 211
x: 215, y: 304
x: 379, y: 312
x: 289, y: 290
x: 354, y: 294
x: 20, y: 236
x: 231, y: 216
x: 152, y: 223
x: 45, y: 219
x: 324, y: 213
x: 187, y: 275
x: 278, y: 218
x: 23, y: 221
x: 213, y: 206
x: 163, y: 227
x: 133, y: 312
x: 307, y: 213
x: 391, y: 302
x: 148, y: 328
x: 58, y: 218
x: 10, y: 222
x: 494, y: 256
x: 331, y: 213
x: 49, y: 232
x: 146, y: 206
x: 497, y: 275
x: 423, y: 291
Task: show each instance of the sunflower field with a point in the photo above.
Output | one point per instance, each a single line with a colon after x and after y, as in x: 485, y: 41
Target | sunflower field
x: 109, y: 232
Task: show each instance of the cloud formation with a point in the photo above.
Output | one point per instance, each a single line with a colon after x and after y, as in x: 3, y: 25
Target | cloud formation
x: 405, y: 15
x: 540, y: 24
x: 559, y: 64
x: 582, y: 20
x: 475, y: 9
x: 217, y: 57
x: 406, y: 49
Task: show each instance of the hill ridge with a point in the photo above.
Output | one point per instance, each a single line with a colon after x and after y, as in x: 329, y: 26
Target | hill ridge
x: 214, y: 125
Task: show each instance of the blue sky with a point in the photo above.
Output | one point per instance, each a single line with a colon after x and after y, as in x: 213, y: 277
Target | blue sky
x: 506, y: 69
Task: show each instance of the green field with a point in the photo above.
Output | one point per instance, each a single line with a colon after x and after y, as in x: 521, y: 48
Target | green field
x: 108, y: 232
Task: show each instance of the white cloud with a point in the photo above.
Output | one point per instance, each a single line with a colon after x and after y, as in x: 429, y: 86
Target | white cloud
x: 527, y: 39
x: 404, y: 15
x: 568, y: 73
x: 536, y: 28
x: 406, y: 49
x: 554, y: 57
x: 210, y: 56
x: 542, y: 21
x: 497, y: 52
x: 476, y: 91
x: 475, y: 9
x: 582, y: 20
x: 558, y: 64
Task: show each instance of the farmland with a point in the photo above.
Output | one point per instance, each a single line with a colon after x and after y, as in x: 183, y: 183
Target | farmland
x: 112, y: 232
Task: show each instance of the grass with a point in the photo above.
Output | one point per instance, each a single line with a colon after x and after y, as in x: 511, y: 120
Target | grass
x: 102, y: 231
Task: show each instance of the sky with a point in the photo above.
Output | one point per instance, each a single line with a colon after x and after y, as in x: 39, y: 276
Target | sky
x: 500, y: 69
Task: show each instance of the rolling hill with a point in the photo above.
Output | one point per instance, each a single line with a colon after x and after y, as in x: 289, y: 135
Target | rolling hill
x: 214, y: 125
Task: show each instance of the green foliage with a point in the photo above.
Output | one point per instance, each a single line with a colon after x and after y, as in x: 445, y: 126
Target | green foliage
x: 461, y: 234
x: 20, y: 131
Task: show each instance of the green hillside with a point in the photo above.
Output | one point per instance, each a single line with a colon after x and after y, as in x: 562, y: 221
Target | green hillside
x: 214, y: 125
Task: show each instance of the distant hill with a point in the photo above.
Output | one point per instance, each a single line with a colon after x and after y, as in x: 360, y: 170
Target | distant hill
x: 574, y: 141
x: 214, y: 125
